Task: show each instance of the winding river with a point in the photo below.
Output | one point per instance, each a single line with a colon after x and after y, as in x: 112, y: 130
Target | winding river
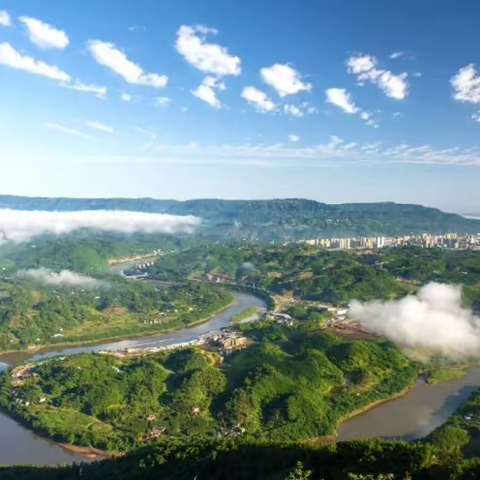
x: 19, y: 445
x: 410, y: 417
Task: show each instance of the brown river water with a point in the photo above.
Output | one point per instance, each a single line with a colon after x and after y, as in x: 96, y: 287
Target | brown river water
x: 410, y: 417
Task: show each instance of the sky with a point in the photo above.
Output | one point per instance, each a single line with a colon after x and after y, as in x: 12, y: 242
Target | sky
x: 333, y: 100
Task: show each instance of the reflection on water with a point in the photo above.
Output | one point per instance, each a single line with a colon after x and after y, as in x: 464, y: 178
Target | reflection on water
x: 415, y: 415
x: 20, y: 446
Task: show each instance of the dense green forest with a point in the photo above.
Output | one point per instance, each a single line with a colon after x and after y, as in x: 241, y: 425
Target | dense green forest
x: 32, y: 313
x: 85, y: 251
x: 329, y: 276
x: 279, y: 219
x: 290, y: 385
x: 265, y: 460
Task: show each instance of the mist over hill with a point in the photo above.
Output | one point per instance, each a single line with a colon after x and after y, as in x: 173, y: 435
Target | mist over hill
x: 276, y: 219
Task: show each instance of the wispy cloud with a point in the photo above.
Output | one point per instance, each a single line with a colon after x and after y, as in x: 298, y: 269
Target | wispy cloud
x: 146, y: 132
x: 19, y: 225
x: 258, y: 99
x: 14, y: 59
x: 64, y: 278
x: 99, y: 126
x: 44, y: 35
x: 365, y: 67
x: 395, y: 55
x: 67, y: 131
x: 98, y: 90
x: 343, y: 100
x: 208, y: 57
x: 5, y: 20
x: 207, y: 91
x: 336, y: 151
x: 106, y: 54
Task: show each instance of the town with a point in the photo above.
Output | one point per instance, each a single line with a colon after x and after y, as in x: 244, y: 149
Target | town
x: 426, y: 240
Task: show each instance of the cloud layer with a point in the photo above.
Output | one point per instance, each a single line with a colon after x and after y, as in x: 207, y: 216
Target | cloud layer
x: 19, y: 225
x: 65, y: 278
x: 433, y: 319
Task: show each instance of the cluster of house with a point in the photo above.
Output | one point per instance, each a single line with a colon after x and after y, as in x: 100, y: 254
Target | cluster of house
x: 154, y: 432
x: 224, y: 339
x: 229, y: 432
x: 282, y: 319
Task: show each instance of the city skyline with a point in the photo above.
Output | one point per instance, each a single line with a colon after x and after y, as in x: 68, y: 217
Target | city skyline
x: 332, y: 102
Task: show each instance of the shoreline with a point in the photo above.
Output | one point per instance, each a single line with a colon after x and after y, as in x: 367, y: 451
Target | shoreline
x: 359, y: 411
x: 147, y: 333
x: 89, y: 452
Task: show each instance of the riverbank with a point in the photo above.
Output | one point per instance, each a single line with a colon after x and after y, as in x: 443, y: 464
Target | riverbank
x: 90, y: 452
x: 140, y: 334
x: 366, y: 408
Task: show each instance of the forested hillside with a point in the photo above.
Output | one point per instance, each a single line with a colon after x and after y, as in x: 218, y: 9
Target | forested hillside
x: 279, y: 388
x: 34, y: 314
x: 329, y: 276
x: 273, y: 219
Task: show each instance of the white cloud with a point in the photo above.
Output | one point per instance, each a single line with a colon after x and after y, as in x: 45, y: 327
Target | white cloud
x: 126, y: 97
x: 207, y: 94
x: 184, y: 109
x: 364, y: 66
x: 18, y: 225
x: 44, y: 35
x: 135, y: 28
x: 106, y: 54
x: 342, y: 99
x: 433, y: 319
x: 466, y: 85
x: 206, y: 91
x: 284, y: 79
x: 163, y: 101
x: 5, y: 18
x: 395, y: 55
x: 68, y: 131
x: 99, y: 126
x: 12, y: 58
x: 259, y: 99
x: 293, y: 138
x: 65, y: 278
x: 98, y: 90
x: 208, y: 57
x: 146, y: 132
x: 292, y: 110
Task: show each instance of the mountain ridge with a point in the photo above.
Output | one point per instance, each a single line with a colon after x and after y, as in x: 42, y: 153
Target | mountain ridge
x: 274, y: 219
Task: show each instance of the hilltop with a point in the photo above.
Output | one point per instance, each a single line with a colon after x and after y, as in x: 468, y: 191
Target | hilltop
x: 277, y: 219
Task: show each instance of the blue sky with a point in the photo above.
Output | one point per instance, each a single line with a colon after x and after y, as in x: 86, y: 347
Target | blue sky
x: 338, y: 101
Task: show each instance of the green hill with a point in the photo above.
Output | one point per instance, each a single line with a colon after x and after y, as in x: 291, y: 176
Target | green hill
x: 273, y: 219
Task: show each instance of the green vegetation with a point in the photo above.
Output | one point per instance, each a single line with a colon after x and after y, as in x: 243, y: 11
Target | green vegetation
x: 460, y: 435
x: 273, y: 390
x: 83, y: 251
x: 282, y: 219
x: 442, y: 374
x: 226, y: 459
x: 326, y: 276
x: 247, y: 313
x: 35, y: 314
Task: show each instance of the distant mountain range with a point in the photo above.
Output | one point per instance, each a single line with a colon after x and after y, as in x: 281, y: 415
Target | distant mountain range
x: 279, y: 219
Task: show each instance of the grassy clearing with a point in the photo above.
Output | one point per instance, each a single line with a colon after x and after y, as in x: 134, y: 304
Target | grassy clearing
x: 248, y: 312
x: 443, y: 374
